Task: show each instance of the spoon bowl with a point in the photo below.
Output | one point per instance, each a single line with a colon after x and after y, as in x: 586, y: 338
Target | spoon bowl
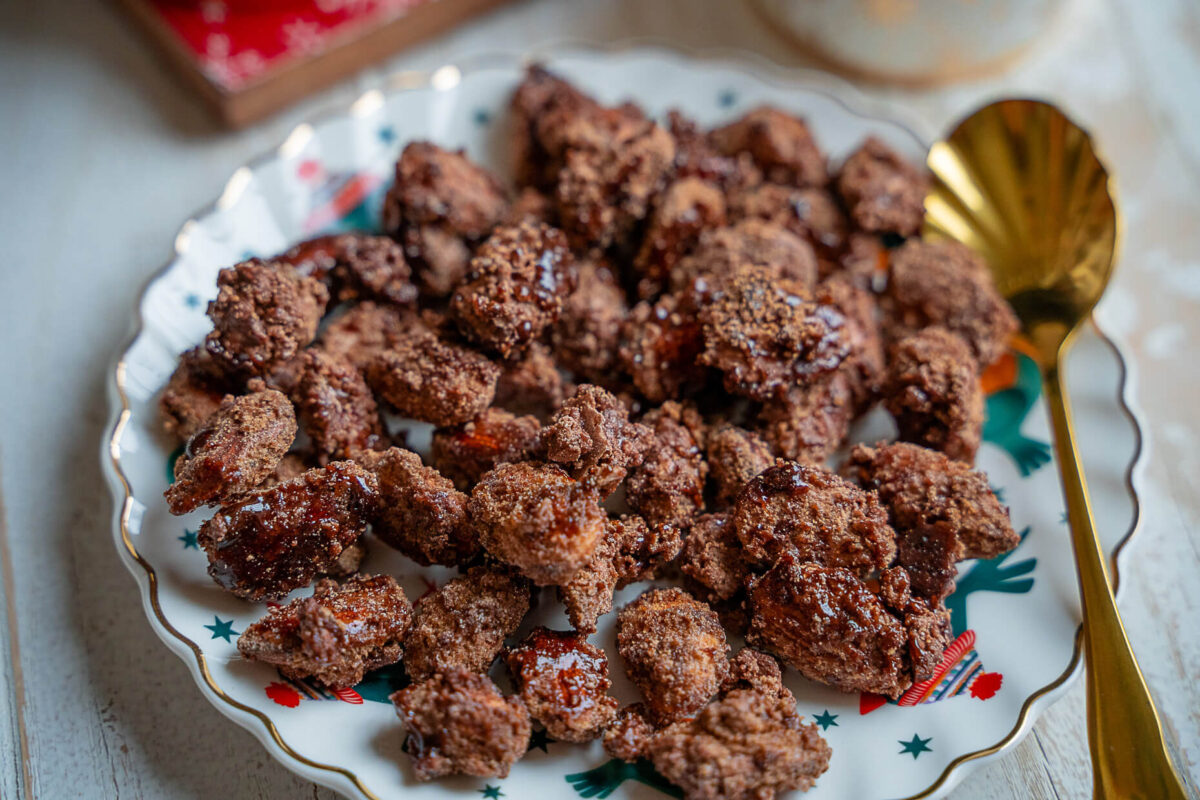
x: 1021, y: 184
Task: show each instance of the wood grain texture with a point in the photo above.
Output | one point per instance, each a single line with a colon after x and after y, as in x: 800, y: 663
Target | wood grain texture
x: 104, y: 156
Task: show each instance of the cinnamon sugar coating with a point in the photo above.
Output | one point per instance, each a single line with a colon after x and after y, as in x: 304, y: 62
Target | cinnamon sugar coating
x: 263, y: 315
x: 883, y: 191
x: 465, y: 452
x: 765, y: 336
x: 434, y: 381
x: 864, y: 366
x: 683, y: 211
x: 588, y: 332
x: 948, y: 285
x: 421, y: 514
x: 614, y: 164
x: 591, y: 436
x: 811, y: 213
x: 336, y: 408
x: 514, y: 287
x: 235, y: 449
x: 921, y: 487
x: 459, y: 723
x: 355, y: 266
x: 541, y: 107
x: 193, y: 393
x: 713, y: 560
x: 668, y: 486
x: 756, y: 670
x: 531, y: 383
x: 934, y: 394
x: 720, y: 252
x: 674, y: 650
x: 629, y: 551
x: 810, y: 422
x: 336, y: 635
x: 537, y: 518
x: 564, y: 682
x: 781, y: 145
x: 746, y: 746
x: 734, y: 456
x: 365, y: 330
x: 629, y: 734
x: 269, y: 542
x: 811, y: 514
x: 463, y: 624
x: 439, y: 206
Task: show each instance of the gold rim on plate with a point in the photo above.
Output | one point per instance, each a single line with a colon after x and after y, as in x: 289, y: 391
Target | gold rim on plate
x: 448, y: 75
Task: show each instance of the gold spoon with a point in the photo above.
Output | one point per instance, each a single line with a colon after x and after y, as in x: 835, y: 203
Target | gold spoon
x: 1021, y: 184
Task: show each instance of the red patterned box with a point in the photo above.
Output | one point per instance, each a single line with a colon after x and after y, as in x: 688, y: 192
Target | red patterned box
x: 251, y: 57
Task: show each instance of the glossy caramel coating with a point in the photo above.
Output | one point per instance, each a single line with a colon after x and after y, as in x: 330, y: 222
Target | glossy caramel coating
x: 864, y: 367
x: 355, y: 266
x: 458, y: 723
x: 464, y: 623
x: 439, y: 206
x: 686, y: 208
x: 934, y: 393
x: 336, y: 407
x: 781, y: 145
x: 538, y: 519
x: 659, y: 347
x: 564, y: 682
x: 264, y: 314
x: 883, y: 191
x: 269, y: 542
x: 668, y: 486
x: 674, y: 650
x: 235, y: 449
x: 514, y: 287
x: 336, y: 635
x: 746, y: 746
x: 463, y: 453
x: 765, y: 336
x: 421, y: 514
x: 948, y: 285
x: 591, y: 436
x: 433, y: 381
x: 734, y: 456
x: 811, y: 514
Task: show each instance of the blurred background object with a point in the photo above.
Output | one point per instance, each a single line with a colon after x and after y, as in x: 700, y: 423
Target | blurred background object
x: 912, y: 42
x: 248, y: 58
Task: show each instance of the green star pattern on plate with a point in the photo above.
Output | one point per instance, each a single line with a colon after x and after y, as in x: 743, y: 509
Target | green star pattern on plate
x: 538, y: 741
x: 189, y: 540
x: 491, y: 792
x: 826, y: 720
x: 916, y: 746
x: 222, y: 630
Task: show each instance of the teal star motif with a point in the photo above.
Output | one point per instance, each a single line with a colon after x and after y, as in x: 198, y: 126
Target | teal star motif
x: 726, y: 98
x: 189, y: 540
x: 481, y: 117
x: 492, y: 792
x: 538, y: 741
x: 192, y: 300
x: 826, y: 720
x: 999, y: 492
x: 916, y: 746
x: 222, y: 630
x: 387, y: 134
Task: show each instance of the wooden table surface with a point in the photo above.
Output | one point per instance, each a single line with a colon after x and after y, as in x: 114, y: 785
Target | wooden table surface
x: 102, y: 156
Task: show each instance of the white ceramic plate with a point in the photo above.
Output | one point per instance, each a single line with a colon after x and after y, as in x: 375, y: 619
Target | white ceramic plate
x: 1016, y: 617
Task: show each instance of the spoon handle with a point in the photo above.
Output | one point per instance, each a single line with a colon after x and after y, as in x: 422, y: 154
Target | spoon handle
x: 1129, y: 755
